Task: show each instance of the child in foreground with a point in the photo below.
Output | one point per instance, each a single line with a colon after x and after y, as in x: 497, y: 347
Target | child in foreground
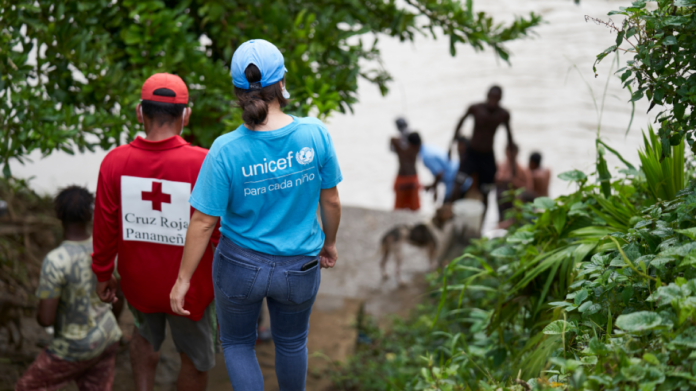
x: 86, y: 336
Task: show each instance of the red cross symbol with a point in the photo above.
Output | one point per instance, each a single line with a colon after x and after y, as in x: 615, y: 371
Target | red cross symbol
x: 156, y: 196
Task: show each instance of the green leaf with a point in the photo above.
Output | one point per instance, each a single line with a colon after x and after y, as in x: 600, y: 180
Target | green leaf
x: 650, y: 358
x: 589, y: 360
x: 504, y: 252
x: 585, y: 306
x: 633, y: 373
x: 689, y: 232
x: 638, y: 95
x: 686, y: 339
x: 559, y: 219
x: 521, y: 237
x: 669, y: 40
x: 558, y: 327
x: 580, y: 296
x: 675, y: 20
x: 544, y: 203
x: 443, y: 298
x: 573, y: 175
x: 638, y: 321
x: 619, y: 38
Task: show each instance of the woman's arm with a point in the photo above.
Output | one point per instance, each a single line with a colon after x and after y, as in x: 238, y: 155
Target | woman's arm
x: 197, y: 238
x: 330, y: 218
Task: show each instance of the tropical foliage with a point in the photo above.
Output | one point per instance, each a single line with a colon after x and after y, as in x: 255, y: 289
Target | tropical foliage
x: 91, y: 58
x: 589, y: 292
x: 662, y: 46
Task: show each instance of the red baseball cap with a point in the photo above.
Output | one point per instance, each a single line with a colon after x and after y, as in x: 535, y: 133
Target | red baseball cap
x: 165, y: 88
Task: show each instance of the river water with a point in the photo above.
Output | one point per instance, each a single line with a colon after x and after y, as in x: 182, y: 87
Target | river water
x: 552, y: 108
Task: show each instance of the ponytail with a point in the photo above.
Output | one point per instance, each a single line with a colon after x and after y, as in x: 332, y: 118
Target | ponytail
x: 254, y: 101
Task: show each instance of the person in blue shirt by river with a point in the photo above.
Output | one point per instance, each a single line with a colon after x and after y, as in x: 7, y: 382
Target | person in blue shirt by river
x: 443, y: 169
x: 265, y: 181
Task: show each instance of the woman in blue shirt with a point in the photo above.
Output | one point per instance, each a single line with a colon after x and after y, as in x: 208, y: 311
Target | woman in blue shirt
x: 264, y: 181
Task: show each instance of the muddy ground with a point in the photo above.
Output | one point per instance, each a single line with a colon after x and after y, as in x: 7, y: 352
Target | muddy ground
x: 353, y: 283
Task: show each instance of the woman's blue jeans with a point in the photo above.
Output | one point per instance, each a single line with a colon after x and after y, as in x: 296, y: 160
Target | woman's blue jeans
x: 242, y: 278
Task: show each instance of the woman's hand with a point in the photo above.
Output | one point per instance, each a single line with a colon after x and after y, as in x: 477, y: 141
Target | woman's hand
x: 330, y: 218
x: 177, y: 296
x: 198, y: 235
x: 328, y: 256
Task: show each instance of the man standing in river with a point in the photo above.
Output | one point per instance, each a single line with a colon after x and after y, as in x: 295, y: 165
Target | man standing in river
x: 479, y: 162
x: 406, y: 185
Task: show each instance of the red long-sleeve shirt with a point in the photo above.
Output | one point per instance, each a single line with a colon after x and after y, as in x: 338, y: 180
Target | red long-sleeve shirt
x: 141, y: 213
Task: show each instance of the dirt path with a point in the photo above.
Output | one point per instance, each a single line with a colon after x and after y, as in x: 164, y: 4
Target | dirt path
x: 353, y: 283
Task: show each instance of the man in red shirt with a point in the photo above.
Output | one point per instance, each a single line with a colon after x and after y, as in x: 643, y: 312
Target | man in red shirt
x: 141, y: 213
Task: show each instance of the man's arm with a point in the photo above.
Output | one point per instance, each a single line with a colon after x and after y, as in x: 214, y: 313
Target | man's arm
x: 117, y: 306
x: 437, y: 180
x: 433, y: 186
x: 522, y: 179
x: 105, y: 234
x: 507, y: 128
x: 46, y: 314
x: 459, y: 125
x: 545, y: 180
x: 197, y: 239
x: 395, y: 142
x: 330, y: 218
x: 457, y: 129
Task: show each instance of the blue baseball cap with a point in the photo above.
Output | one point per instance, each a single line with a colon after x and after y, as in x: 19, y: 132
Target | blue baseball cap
x: 265, y: 56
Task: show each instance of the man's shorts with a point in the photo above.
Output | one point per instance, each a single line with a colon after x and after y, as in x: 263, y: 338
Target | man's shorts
x: 198, y: 340
x: 481, y: 163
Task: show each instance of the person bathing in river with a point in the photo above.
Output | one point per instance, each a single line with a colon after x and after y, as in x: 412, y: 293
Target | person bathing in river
x: 265, y: 180
x: 407, y: 186
x: 479, y: 162
x: 511, y: 176
x: 541, y: 176
x: 86, y: 336
x: 441, y: 166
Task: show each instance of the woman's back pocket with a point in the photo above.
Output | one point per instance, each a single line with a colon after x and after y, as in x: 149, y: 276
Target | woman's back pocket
x: 302, y: 285
x: 235, y: 279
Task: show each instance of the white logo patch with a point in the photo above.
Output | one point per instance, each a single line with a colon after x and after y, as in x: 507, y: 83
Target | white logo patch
x: 155, y: 210
x: 305, y: 156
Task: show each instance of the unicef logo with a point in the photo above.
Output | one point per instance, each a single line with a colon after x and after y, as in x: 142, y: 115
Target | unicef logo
x: 305, y: 156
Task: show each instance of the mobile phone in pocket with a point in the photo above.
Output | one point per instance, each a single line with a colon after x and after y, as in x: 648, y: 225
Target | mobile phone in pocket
x: 309, y: 265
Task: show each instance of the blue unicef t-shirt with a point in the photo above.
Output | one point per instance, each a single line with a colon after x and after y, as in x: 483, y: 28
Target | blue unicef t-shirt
x: 266, y: 185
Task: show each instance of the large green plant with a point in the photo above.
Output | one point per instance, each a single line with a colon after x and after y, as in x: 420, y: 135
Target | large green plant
x: 591, y: 294
x: 116, y: 45
x: 662, y: 46
x: 664, y: 176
